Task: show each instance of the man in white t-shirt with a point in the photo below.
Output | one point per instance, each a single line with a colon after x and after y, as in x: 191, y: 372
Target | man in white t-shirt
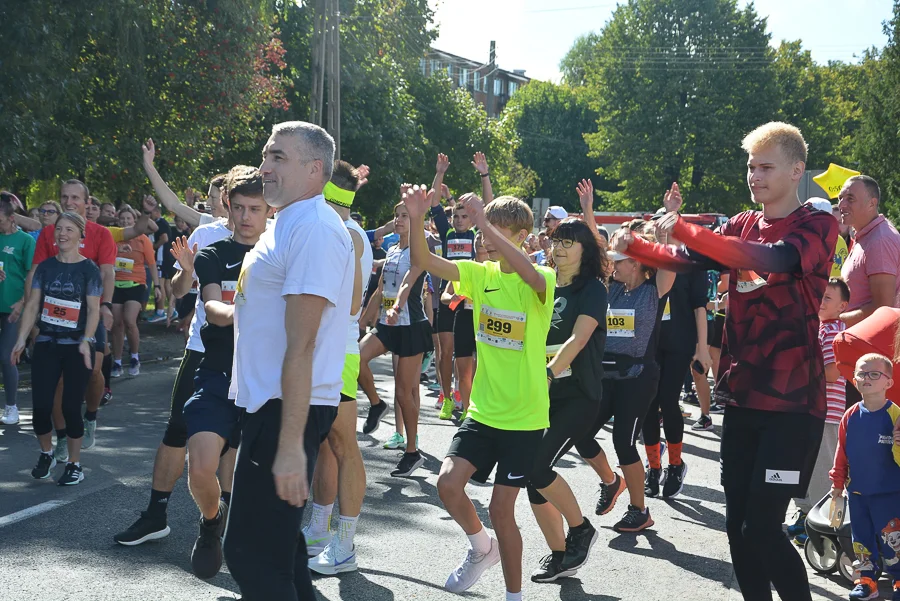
x: 292, y: 306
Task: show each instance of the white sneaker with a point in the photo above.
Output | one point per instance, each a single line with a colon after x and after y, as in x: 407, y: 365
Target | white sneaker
x: 61, y: 450
x: 90, y: 435
x: 473, y: 566
x: 333, y: 560
x: 10, y: 415
x: 314, y: 546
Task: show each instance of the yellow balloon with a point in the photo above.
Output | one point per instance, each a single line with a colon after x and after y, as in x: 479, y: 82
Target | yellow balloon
x: 833, y: 179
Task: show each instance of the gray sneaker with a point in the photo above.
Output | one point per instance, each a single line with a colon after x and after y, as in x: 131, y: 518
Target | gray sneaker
x: 90, y: 430
x: 61, y: 452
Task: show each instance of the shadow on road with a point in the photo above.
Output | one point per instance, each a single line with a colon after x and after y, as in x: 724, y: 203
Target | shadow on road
x: 705, y: 567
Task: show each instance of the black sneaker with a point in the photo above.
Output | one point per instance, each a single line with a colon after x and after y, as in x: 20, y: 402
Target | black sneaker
x: 550, y: 568
x: 72, y: 475
x: 608, y: 495
x: 146, y: 528
x: 675, y: 475
x: 45, y: 463
x: 206, y: 557
x: 107, y: 397
x: 634, y: 520
x: 717, y: 408
x: 373, y: 420
x: 690, y: 398
x: 578, y: 546
x: 409, y: 463
x: 704, y: 422
x: 651, y: 481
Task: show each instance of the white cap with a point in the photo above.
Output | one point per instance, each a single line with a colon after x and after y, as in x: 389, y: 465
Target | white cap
x: 820, y: 204
x: 616, y: 256
x: 556, y: 212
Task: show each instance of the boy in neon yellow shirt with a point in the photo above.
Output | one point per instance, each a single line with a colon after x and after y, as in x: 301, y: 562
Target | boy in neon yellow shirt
x: 509, y: 409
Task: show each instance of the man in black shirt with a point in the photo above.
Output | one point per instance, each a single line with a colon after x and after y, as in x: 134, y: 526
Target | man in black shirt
x: 211, y: 418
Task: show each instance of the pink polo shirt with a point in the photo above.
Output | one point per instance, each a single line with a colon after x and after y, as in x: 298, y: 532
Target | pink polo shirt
x: 876, y: 249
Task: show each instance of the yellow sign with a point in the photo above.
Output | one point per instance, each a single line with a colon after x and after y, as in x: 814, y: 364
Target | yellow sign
x: 503, y: 329
x: 833, y: 179
x: 620, y: 323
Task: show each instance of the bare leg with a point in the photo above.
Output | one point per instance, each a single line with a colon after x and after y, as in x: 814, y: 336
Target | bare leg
x: 369, y: 348
x: 601, y: 465
x: 132, y: 309
x: 634, y: 478
x: 550, y: 521
x: 446, y: 362
x: 117, y: 334
x: 168, y: 467
x: 564, y: 502
x: 451, y: 485
x: 406, y: 384
x: 703, y: 391
x: 204, y: 449
x: 465, y: 367
x: 226, y: 469
x: 503, y: 517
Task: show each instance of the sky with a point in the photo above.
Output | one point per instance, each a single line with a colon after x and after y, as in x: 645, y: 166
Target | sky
x: 536, y: 34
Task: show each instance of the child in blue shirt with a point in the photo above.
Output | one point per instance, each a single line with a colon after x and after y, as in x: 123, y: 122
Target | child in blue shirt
x: 868, y: 445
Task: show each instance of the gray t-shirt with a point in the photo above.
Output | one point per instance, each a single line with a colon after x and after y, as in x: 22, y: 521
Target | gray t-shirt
x: 632, y: 327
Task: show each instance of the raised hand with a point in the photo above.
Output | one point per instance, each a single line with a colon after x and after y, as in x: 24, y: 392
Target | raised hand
x: 363, y: 171
x: 585, y: 190
x: 480, y: 163
x: 666, y: 226
x: 443, y: 163
x: 475, y: 209
x: 672, y: 200
x: 149, y: 151
x: 183, y: 253
x: 445, y: 191
x: 416, y: 200
x: 621, y: 240
x: 149, y: 203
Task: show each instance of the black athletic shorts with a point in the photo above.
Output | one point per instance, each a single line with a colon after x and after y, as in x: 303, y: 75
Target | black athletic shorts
x: 512, y: 451
x: 123, y: 295
x: 464, y: 333
x: 168, y: 271
x: 774, y: 452
x: 210, y: 410
x: 406, y: 341
x: 714, y: 330
x: 444, y: 319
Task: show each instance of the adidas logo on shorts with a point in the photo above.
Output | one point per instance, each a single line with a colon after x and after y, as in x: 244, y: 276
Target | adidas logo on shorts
x: 782, y: 477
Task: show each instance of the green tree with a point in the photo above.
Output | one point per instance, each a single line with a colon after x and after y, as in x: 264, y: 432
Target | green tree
x: 676, y: 85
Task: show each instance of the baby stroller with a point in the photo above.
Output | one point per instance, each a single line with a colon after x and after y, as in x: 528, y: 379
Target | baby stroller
x: 828, y: 549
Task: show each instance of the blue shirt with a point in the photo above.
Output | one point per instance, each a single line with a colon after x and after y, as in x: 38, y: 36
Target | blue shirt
x: 866, y: 451
x: 387, y: 243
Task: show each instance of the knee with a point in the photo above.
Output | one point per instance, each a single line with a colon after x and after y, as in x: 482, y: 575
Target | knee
x: 588, y: 449
x: 448, y: 488
x: 501, y: 513
x: 541, y: 478
x: 200, y: 466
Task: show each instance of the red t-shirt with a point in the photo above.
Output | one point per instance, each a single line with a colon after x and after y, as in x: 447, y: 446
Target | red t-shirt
x: 97, y: 245
x: 771, y: 357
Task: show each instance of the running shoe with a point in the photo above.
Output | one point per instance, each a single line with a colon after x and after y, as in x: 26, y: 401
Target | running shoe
x: 61, y: 450
x: 107, y: 397
x: 896, y: 595
x: 799, y: 525
x: 409, y: 463
x: 674, y: 480
x: 717, y: 408
x: 690, y: 398
x: 578, y: 546
x: 446, y: 410
x: 651, y: 481
x: 550, y: 568
x: 800, y: 540
x: 608, y: 495
x: 41, y: 471
x: 684, y: 412
x: 473, y: 566
x: 396, y: 441
x: 72, y: 475
x: 135, y: 368
x: 439, y: 404
x: 433, y: 386
x: 314, y: 546
x: 332, y: 560
x: 10, y: 415
x: 457, y: 398
x: 703, y: 423
x: 145, y: 528
x: 90, y: 434
x: 116, y: 371
x: 206, y: 556
x: 373, y: 420
x: 634, y: 520
x: 865, y: 589
x: 157, y: 317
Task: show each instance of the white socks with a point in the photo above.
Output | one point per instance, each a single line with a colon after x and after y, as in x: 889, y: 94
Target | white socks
x: 480, y: 541
x: 513, y: 596
x: 346, y: 531
x: 320, y: 520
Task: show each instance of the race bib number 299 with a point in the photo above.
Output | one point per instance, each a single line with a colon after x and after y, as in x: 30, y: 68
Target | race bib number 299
x: 502, y: 329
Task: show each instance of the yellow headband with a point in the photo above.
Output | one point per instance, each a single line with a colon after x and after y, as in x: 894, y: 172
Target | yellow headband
x: 338, y: 196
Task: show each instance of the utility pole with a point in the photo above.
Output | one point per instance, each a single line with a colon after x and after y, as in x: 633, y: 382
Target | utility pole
x: 490, y: 79
x: 334, y: 76
x: 318, y: 63
x: 326, y: 69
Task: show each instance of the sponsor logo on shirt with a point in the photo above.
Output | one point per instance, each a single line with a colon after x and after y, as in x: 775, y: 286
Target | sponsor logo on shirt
x: 885, y: 439
x: 9, y: 250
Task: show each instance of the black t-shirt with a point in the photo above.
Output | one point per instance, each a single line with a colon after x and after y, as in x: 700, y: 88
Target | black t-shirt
x: 571, y: 301
x: 168, y: 261
x: 219, y: 263
x: 678, y: 330
x: 64, y: 288
x: 163, y: 229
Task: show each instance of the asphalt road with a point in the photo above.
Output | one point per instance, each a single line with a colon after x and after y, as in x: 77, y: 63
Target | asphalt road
x: 56, y: 543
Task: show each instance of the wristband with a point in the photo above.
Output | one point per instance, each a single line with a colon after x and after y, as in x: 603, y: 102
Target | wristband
x: 107, y: 304
x: 156, y: 286
x: 486, y: 174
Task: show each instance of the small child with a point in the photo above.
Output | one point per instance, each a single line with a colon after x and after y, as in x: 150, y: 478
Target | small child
x: 834, y: 302
x: 868, y: 441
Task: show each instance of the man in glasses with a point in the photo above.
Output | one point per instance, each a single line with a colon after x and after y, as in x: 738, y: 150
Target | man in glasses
x: 553, y: 217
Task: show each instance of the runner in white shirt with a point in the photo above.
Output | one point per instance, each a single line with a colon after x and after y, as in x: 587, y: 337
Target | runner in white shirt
x: 340, y: 470
x: 292, y: 306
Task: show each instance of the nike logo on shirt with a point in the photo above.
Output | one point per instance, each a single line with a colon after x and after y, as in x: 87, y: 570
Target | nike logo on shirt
x: 491, y: 290
x: 233, y: 266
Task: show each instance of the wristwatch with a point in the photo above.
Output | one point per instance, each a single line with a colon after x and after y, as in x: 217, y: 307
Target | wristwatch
x: 550, y: 375
x: 90, y: 340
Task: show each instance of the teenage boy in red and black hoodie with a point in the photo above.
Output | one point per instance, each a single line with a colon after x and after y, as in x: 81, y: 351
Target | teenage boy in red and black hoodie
x: 771, y: 372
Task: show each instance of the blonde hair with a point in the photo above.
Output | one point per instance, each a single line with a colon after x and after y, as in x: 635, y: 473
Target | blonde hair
x: 783, y: 135
x: 511, y: 213
x: 75, y: 219
x: 888, y: 365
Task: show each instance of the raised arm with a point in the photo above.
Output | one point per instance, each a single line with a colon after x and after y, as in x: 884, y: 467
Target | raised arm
x: 184, y: 255
x: 585, y: 189
x: 513, y: 254
x: 27, y: 223
x: 480, y: 164
x: 417, y: 204
x: 358, y: 276
x: 440, y: 169
x: 165, y: 194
